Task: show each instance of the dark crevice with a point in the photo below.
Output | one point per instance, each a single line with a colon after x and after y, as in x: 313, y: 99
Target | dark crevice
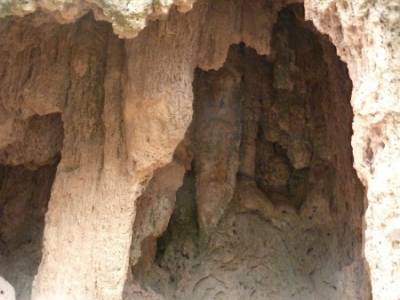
x: 24, y: 197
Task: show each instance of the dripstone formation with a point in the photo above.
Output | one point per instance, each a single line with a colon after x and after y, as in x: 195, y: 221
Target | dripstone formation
x: 199, y: 149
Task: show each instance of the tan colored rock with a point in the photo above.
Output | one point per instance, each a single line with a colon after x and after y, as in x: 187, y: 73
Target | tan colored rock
x: 115, y: 135
x: 300, y: 240
x: 277, y: 172
x: 216, y: 143
x: 127, y: 17
x: 116, y: 110
x: 79, y: 223
x: 38, y: 142
x: 366, y: 34
x: 154, y: 210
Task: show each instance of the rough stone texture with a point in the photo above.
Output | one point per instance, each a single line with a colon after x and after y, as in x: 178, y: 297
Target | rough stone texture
x: 126, y: 17
x: 162, y: 90
x: 268, y: 153
x: 118, y: 126
x: 367, y: 36
x: 216, y: 143
x: 93, y: 195
x: 78, y: 223
x: 36, y: 141
x: 155, y: 208
x: 289, y: 224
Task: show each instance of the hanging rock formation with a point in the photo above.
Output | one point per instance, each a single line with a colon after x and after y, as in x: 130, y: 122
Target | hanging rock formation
x: 208, y: 155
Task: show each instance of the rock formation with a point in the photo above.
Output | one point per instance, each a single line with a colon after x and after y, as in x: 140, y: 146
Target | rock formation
x: 199, y: 149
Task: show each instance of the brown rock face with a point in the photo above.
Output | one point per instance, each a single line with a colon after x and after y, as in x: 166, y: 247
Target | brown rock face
x: 366, y: 34
x: 270, y: 206
x: 74, y: 70
x: 210, y: 157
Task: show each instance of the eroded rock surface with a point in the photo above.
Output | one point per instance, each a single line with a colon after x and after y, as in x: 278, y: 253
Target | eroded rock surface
x: 208, y: 158
x: 80, y: 80
x: 126, y: 17
x: 124, y: 106
x: 367, y: 36
x: 271, y: 150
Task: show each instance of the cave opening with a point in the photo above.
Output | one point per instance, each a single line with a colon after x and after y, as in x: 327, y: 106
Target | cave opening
x: 27, y: 172
x: 261, y: 200
x: 270, y: 206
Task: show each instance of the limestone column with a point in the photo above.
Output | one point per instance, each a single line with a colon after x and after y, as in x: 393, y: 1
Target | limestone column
x: 88, y: 225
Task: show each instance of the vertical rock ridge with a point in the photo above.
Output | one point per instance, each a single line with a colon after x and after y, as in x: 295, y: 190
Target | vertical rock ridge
x: 366, y: 34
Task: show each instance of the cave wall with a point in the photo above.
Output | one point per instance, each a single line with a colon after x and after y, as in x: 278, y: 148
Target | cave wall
x: 270, y: 206
x: 127, y: 18
x: 118, y: 125
x: 58, y: 69
x: 126, y: 105
x: 366, y: 34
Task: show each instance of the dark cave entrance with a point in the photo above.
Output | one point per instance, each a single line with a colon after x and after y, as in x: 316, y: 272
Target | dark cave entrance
x: 271, y: 207
x: 27, y: 171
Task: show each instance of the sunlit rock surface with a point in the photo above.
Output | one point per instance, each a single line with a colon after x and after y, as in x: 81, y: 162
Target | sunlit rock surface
x: 127, y: 17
